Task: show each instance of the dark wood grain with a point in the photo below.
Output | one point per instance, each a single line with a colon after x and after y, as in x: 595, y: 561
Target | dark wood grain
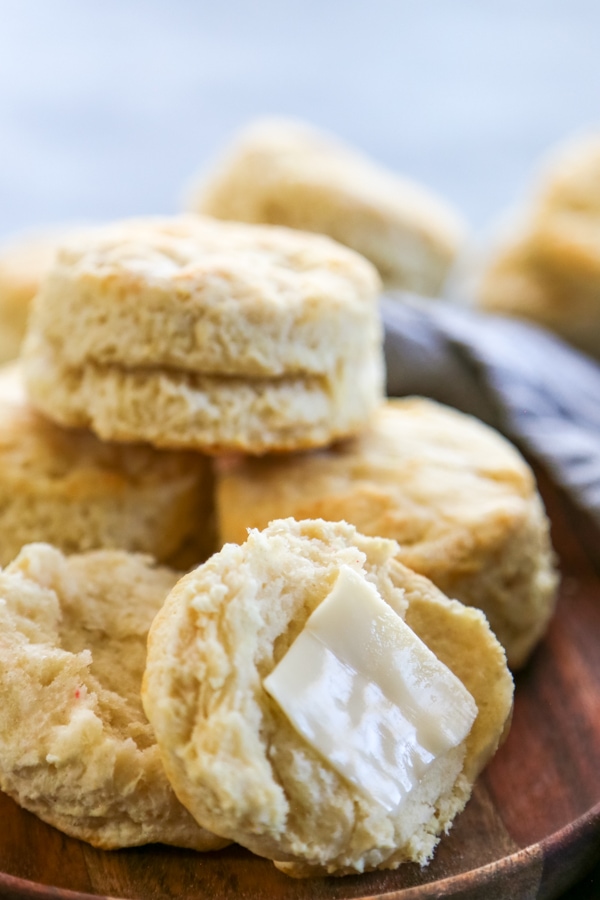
x: 531, y: 829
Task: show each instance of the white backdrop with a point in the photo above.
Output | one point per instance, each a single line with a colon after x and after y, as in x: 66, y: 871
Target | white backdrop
x: 107, y: 108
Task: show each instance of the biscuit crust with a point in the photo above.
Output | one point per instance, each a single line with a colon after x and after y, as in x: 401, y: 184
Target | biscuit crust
x: 177, y: 330
x: 65, y: 487
x: 75, y: 746
x: 235, y: 760
x: 460, y: 501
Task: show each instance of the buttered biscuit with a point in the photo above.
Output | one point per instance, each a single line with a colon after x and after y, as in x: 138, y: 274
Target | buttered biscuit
x: 65, y: 487
x: 75, y: 746
x: 459, y: 499
x: 284, y: 172
x: 321, y: 704
x: 194, y: 333
x: 548, y: 269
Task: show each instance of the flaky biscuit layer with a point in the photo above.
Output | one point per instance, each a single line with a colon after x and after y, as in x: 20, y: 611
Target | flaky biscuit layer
x: 173, y: 409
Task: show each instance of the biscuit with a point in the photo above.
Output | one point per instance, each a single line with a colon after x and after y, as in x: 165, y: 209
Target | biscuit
x: 548, y: 269
x: 193, y: 333
x: 565, y: 229
x: 234, y: 758
x: 459, y: 499
x: 24, y: 261
x: 75, y: 746
x: 284, y: 172
x: 515, y: 282
x: 65, y: 487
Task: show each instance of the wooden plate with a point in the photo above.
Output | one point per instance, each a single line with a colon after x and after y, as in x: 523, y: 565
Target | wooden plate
x: 531, y: 829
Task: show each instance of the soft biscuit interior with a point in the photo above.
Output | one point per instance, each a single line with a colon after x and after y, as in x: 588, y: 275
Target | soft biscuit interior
x: 367, y: 694
x: 232, y: 753
x: 75, y: 745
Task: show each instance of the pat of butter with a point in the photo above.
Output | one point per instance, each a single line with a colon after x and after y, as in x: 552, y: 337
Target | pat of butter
x: 368, y: 695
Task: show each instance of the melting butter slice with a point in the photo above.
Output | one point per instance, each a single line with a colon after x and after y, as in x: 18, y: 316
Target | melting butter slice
x: 368, y: 695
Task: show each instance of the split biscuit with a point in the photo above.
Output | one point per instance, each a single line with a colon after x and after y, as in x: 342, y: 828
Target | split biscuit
x: 232, y: 753
x: 285, y: 172
x: 75, y: 746
x: 459, y: 499
x: 65, y: 487
x: 193, y: 333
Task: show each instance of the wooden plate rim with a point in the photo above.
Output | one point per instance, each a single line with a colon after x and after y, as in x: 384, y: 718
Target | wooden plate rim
x: 575, y: 837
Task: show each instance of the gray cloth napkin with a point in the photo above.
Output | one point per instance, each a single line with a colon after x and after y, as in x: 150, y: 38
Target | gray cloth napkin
x: 542, y: 394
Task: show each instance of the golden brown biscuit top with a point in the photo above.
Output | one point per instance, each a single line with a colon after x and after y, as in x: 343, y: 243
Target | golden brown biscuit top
x: 213, y: 297
x: 192, y: 251
x: 421, y: 473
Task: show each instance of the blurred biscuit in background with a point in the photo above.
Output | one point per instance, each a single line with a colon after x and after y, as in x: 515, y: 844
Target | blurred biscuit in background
x: 285, y: 172
x: 546, y: 267
x: 24, y: 260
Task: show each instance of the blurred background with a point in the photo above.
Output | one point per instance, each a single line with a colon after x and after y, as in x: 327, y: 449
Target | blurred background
x: 108, y: 109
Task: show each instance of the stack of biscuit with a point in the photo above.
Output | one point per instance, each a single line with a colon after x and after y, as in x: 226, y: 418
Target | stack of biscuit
x: 548, y: 270
x: 172, y: 361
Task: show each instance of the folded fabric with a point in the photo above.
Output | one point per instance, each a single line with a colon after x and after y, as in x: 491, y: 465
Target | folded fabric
x: 537, y: 390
